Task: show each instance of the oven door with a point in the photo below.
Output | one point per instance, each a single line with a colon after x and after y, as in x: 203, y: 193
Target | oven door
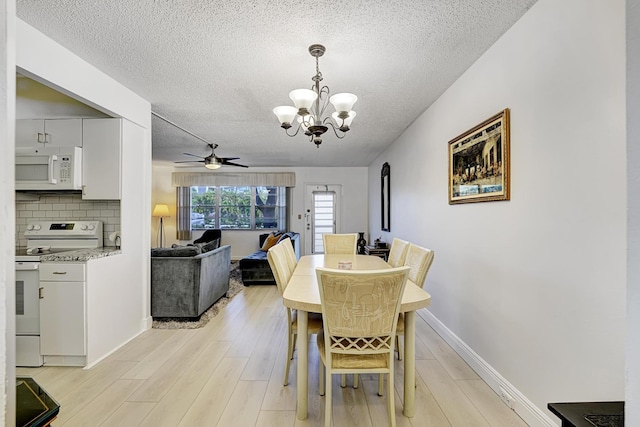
x: 27, y: 298
x: 28, y: 314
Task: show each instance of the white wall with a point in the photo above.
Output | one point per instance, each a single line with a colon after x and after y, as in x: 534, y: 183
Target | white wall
x: 7, y: 227
x: 632, y: 406
x: 354, y: 183
x: 535, y: 287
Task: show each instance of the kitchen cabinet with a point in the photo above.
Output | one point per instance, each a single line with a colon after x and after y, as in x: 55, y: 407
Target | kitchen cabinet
x: 49, y: 133
x: 102, y: 159
x: 63, y: 313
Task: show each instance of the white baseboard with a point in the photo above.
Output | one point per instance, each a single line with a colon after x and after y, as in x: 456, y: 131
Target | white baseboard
x: 530, y: 413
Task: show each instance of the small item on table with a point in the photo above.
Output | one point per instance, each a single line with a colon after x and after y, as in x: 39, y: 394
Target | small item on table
x: 344, y: 265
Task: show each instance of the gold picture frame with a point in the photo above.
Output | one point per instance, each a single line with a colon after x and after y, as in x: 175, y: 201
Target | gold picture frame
x: 479, y: 162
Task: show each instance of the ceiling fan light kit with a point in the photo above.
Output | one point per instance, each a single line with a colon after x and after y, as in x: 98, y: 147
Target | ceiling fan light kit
x: 310, y: 106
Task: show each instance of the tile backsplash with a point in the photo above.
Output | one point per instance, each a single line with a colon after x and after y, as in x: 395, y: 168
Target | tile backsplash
x: 67, y: 207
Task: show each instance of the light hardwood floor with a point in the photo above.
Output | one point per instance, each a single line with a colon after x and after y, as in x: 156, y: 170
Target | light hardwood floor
x: 229, y: 373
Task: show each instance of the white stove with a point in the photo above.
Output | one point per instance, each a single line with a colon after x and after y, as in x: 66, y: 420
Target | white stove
x: 46, y: 237
x: 43, y: 237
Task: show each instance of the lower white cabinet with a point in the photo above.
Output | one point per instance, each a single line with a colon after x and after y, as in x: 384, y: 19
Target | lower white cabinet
x: 63, y: 313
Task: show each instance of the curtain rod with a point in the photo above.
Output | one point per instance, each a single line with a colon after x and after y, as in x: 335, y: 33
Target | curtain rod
x: 181, y: 128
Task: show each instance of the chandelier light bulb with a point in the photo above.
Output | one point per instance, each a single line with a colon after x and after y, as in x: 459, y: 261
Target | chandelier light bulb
x: 343, y: 102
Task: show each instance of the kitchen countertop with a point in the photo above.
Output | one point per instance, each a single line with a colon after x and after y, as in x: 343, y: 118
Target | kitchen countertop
x: 81, y: 254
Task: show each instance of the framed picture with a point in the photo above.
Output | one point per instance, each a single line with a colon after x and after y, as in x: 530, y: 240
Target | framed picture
x: 479, y: 162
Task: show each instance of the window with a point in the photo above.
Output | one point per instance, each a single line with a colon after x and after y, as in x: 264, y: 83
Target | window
x: 239, y: 208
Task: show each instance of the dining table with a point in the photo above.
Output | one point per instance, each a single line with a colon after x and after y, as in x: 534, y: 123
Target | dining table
x: 303, y: 295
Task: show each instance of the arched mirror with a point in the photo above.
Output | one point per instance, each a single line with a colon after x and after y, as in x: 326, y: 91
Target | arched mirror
x: 386, y: 197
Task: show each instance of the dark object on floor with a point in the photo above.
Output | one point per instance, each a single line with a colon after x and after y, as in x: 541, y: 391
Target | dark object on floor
x: 255, y: 267
x: 589, y: 414
x: 34, y: 407
x: 209, y: 235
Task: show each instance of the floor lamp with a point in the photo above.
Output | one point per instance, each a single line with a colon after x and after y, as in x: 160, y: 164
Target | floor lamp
x: 161, y: 211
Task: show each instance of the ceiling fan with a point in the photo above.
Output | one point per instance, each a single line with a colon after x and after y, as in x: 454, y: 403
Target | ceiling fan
x: 212, y: 161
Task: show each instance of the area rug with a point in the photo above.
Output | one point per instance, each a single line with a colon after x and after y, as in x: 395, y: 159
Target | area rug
x: 235, y: 287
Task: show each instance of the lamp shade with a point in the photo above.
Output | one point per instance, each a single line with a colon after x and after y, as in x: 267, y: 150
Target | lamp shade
x: 343, y: 101
x: 303, y: 98
x: 160, y: 210
x: 285, y: 113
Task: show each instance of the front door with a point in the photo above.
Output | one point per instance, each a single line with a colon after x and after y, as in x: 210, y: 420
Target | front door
x: 322, y: 208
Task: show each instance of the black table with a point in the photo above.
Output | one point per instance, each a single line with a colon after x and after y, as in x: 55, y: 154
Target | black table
x: 589, y: 414
x: 34, y: 407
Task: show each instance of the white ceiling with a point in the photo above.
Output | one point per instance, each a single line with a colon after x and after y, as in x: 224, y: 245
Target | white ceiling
x: 218, y: 68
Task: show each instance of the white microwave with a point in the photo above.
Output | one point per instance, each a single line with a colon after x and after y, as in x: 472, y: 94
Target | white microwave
x: 49, y: 168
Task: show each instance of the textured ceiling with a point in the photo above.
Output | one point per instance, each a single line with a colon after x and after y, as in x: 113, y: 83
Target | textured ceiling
x: 218, y: 68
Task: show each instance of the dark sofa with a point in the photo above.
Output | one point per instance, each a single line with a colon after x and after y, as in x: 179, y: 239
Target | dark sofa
x: 187, y: 280
x: 255, y: 267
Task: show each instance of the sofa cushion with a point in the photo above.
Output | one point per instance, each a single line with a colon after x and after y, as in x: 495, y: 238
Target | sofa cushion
x: 283, y: 236
x: 209, y: 246
x: 271, y: 240
x: 180, y: 251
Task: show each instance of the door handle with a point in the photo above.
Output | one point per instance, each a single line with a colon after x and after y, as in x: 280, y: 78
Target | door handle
x: 40, y: 296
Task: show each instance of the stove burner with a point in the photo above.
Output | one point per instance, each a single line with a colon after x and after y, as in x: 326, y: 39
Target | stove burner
x: 39, y: 250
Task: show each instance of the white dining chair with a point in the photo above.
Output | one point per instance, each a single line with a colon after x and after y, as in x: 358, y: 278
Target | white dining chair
x: 280, y: 266
x: 419, y: 261
x: 359, y: 325
x: 398, y: 252
x: 340, y: 243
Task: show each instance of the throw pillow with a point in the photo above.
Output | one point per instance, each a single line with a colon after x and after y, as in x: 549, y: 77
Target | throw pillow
x: 270, y: 241
x: 214, y: 244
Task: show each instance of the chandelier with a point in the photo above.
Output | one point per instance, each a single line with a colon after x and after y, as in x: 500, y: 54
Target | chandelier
x: 310, y: 106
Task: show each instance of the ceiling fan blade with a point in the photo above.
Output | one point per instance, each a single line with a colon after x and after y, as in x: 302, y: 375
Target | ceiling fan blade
x: 224, y: 159
x: 189, y: 154
x: 224, y: 162
x: 190, y: 161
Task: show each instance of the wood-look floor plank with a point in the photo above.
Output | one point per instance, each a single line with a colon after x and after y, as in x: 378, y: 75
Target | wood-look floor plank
x: 168, y: 374
x: 378, y: 405
x: 279, y: 397
x: 158, y: 356
x: 494, y: 410
x: 348, y: 405
x: 208, y: 406
x: 243, y: 407
x: 455, y: 404
x: 100, y: 408
x: 78, y: 396
x: 263, y: 358
x: 129, y: 414
x: 177, y: 401
x: 276, y: 419
x: 448, y: 358
x: 140, y: 347
x: 427, y: 411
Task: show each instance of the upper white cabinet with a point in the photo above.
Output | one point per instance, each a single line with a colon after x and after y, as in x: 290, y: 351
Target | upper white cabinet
x: 49, y: 133
x: 102, y: 159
